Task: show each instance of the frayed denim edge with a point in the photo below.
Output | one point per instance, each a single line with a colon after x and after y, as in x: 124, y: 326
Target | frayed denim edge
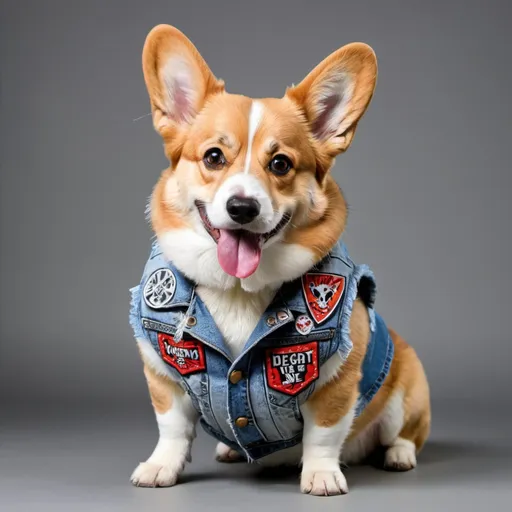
x: 346, y: 343
x: 135, y: 312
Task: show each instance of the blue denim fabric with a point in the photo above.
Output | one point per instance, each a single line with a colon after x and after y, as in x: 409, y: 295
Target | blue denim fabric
x: 274, y: 420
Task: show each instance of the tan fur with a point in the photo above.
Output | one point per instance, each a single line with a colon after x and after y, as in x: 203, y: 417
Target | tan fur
x: 288, y: 126
x: 161, y: 390
x: 223, y: 123
x: 162, y: 42
x: 163, y: 214
x: 356, y: 60
x: 336, y: 398
x: 406, y: 375
x: 221, y: 120
x: 320, y: 235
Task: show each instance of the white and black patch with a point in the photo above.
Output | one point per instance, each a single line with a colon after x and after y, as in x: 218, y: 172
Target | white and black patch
x: 160, y: 288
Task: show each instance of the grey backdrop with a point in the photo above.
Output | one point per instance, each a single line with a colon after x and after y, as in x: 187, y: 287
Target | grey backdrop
x: 428, y: 177
x: 428, y: 180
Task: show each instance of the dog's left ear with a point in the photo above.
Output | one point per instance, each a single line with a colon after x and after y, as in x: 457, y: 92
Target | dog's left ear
x: 336, y: 94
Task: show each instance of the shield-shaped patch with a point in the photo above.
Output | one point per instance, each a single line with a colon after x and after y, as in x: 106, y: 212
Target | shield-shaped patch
x: 293, y: 368
x: 323, y: 293
x: 187, y: 356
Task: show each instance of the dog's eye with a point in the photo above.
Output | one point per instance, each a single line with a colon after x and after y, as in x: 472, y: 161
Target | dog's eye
x: 280, y: 165
x: 214, y: 159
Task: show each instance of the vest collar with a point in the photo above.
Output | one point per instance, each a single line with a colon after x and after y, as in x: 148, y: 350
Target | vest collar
x: 288, y: 303
x: 289, y: 296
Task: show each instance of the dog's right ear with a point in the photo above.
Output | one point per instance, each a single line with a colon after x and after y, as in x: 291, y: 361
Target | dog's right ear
x: 177, y: 78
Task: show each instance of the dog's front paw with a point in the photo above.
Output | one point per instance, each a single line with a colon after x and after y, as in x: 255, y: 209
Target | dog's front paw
x: 323, y: 482
x: 148, y: 474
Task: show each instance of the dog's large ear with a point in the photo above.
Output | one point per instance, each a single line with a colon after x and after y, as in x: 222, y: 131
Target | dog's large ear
x: 336, y: 94
x: 177, y: 78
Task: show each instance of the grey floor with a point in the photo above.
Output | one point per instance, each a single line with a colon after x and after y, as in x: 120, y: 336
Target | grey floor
x: 78, y: 458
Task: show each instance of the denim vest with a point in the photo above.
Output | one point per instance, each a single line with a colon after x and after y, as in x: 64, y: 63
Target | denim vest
x: 252, y: 402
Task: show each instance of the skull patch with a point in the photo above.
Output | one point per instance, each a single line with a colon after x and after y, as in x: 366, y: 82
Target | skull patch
x: 323, y: 293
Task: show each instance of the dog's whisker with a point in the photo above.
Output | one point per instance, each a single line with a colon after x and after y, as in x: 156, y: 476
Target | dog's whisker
x: 141, y: 117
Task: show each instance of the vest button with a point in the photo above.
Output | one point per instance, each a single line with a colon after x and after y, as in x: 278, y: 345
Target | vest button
x: 271, y: 321
x: 235, y: 377
x: 191, y: 321
x: 242, y: 422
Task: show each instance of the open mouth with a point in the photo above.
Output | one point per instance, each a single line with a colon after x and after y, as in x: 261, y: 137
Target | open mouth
x: 239, y: 250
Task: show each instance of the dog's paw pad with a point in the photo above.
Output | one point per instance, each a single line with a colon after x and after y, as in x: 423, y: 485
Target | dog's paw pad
x: 148, y: 474
x: 400, y: 458
x: 323, y: 483
x: 224, y: 453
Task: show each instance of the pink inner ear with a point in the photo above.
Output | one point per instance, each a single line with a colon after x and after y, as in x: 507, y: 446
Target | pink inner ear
x: 331, y: 105
x: 180, y: 92
x: 323, y: 126
x: 182, y: 99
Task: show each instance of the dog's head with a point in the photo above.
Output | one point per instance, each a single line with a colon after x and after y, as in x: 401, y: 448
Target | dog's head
x: 248, y: 197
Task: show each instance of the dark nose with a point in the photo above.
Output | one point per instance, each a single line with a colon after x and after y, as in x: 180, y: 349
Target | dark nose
x: 243, y: 209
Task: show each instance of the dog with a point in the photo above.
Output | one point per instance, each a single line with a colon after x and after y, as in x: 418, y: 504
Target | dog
x: 250, y: 317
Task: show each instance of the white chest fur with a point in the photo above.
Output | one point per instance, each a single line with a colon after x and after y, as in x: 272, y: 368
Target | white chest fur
x: 235, y: 312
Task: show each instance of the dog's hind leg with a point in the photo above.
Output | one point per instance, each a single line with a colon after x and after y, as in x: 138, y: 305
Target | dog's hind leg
x: 405, y: 423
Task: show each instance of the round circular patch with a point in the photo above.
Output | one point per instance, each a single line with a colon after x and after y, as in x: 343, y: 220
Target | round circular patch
x: 160, y: 288
x: 303, y: 324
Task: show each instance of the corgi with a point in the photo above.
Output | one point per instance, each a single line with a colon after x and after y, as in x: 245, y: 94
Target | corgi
x: 250, y: 317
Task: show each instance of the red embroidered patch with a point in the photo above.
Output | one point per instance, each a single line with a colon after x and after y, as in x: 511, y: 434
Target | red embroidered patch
x: 291, y: 369
x: 187, y: 356
x: 323, y: 293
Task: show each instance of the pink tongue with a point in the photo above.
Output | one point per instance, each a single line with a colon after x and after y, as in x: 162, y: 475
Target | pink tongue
x: 239, y: 252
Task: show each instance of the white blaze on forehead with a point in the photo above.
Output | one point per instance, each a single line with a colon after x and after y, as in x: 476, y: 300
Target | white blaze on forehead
x: 255, y: 116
